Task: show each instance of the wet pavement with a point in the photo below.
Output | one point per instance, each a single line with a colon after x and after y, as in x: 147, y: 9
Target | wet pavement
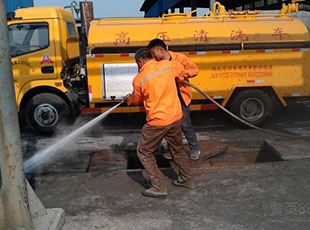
x: 240, y: 185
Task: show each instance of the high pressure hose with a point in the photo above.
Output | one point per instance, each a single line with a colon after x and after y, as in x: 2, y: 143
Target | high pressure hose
x: 238, y: 118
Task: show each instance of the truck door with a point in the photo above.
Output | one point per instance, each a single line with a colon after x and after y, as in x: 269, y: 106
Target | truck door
x: 32, y: 51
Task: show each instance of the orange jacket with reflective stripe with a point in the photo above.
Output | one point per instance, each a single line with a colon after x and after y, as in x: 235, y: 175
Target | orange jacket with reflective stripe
x: 155, y: 87
x: 191, y: 70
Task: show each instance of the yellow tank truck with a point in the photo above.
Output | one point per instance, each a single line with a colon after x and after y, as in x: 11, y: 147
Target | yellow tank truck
x: 245, y: 59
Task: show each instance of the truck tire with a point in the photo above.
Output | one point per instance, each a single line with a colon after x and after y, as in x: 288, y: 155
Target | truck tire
x: 45, y: 111
x: 253, y: 106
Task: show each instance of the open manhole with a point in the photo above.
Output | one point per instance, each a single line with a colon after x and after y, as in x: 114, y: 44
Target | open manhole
x: 134, y: 162
x: 214, y: 154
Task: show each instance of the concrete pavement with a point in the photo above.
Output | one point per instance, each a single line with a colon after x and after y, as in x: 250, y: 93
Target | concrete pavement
x: 258, y: 196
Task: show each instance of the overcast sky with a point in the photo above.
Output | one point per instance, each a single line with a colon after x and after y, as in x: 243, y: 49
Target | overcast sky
x: 103, y: 8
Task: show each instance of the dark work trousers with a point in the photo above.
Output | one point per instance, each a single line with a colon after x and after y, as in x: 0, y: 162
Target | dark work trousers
x: 188, y: 129
x: 150, y: 140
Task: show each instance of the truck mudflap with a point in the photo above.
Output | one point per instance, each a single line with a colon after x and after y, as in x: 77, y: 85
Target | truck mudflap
x: 75, y: 103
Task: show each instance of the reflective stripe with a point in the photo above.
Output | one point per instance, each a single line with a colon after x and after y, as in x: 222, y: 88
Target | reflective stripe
x: 153, y: 75
x: 217, y: 97
x: 255, y: 81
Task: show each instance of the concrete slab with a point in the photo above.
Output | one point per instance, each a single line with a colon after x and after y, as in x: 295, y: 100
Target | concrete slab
x: 210, y: 149
x: 261, y: 196
x: 53, y: 220
x: 288, y: 149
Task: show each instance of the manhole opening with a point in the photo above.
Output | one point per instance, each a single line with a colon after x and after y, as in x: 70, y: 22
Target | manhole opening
x: 229, y: 157
x: 134, y: 162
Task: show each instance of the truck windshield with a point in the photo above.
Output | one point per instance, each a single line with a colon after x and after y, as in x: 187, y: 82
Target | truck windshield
x: 28, y: 37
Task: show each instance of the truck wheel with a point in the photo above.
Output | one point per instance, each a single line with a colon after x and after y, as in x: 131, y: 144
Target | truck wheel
x: 45, y: 111
x: 253, y: 106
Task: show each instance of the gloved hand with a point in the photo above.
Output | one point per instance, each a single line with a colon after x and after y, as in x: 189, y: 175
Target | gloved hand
x: 125, y: 99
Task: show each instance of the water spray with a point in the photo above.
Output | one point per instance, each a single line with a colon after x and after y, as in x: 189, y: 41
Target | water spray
x: 51, y: 151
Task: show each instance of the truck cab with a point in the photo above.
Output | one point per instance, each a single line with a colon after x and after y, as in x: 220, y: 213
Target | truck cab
x: 44, y: 46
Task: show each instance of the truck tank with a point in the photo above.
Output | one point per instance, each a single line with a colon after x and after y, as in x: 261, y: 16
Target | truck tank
x: 233, y: 30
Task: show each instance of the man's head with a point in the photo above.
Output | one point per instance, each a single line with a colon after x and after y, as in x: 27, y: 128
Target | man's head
x: 142, y: 56
x: 159, y: 49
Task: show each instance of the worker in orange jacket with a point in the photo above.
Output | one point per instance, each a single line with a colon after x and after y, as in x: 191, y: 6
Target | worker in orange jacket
x: 155, y: 88
x: 160, y: 52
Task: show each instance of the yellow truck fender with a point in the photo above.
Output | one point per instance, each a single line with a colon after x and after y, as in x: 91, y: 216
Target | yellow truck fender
x: 57, y: 84
x: 234, y: 88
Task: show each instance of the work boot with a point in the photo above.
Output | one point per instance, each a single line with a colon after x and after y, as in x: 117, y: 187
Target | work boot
x: 195, y: 155
x: 190, y: 184
x: 167, y: 156
x: 154, y: 192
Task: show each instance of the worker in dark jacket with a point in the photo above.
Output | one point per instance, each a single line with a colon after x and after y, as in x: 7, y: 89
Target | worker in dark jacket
x: 160, y: 52
x: 155, y: 88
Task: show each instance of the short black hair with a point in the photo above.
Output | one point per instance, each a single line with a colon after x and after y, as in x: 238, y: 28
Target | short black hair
x: 143, y: 53
x: 157, y: 42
